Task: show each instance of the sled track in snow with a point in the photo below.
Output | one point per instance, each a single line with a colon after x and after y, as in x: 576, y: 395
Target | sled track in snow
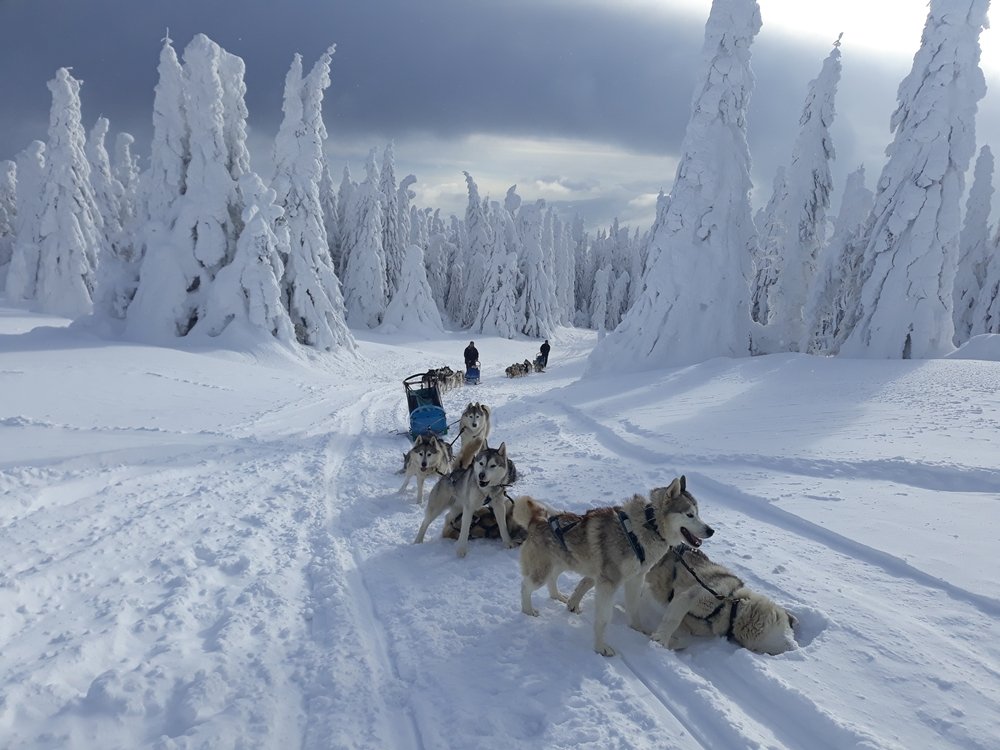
x: 762, y: 511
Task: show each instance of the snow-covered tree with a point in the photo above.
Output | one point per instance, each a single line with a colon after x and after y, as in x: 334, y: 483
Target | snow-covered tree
x: 70, y: 237
x: 695, y: 300
x: 766, y: 258
x: 498, y: 309
x: 404, y: 197
x: 536, y: 296
x: 437, y: 261
x: 973, y: 246
x: 475, y: 251
x: 117, y: 276
x: 366, y: 293
x: 247, y: 292
x: 22, y: 273
x: 911, y: 247
x: 412, y: 309
x: 393, y: 243
x: 310, y: 285
x: 837, y: 273
x: 618, y: 299
x: 125, y: 169
x: 162, y: 307
x: 599, y: 299
x: 8, y: 214
x: 986, y: 315
x: 802, y: 214
x: 344, y: 193
x: 328, y: 202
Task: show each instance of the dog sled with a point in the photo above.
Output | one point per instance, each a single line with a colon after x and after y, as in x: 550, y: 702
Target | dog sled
x: 423, y: 402
x: 472, y: 375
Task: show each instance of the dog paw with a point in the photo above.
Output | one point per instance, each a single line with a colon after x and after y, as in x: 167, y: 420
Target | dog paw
x: 462, y: 551
x: 604, y: 650
x: 574, y: 608
x: 531, y: 612
x: 511, y: 544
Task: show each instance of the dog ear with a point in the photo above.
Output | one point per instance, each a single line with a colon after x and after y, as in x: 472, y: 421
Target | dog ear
x: 502, y: 450
x: 792, y: 619
x: 683, y: 483
x: 469, y: 406
x: 674, y: 488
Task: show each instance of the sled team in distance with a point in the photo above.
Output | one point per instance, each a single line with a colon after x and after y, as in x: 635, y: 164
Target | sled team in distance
x: 649, y: 544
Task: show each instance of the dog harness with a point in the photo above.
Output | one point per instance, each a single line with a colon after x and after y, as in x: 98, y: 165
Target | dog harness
x: 559, y: 531
x: 633, y: 540
x: 734, y: 604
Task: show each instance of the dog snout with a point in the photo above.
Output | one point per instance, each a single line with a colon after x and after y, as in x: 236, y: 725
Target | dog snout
x: 708, y: 532
x: 482, y: 476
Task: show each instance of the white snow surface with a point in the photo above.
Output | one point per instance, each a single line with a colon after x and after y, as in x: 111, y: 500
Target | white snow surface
x: 206, y: 549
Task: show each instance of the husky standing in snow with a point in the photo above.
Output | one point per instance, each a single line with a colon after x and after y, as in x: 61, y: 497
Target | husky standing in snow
x: 429, y: 456
x: 609, y: 546
x: 466, y: 490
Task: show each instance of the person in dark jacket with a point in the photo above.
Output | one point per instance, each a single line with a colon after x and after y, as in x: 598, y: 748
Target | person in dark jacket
x: 471, y: 355
x: 545, y: 353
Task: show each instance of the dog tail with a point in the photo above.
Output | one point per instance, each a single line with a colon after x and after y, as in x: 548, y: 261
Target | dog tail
x: 527, y: 510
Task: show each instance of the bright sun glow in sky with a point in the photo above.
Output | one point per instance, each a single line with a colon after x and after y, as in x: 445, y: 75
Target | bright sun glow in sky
x: 889, y: 26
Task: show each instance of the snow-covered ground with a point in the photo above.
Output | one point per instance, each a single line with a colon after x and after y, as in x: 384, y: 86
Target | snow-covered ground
x: 205, y: 549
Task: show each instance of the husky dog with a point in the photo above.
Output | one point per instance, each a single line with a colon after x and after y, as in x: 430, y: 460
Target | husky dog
x: 608, y: 546
x: 704, y: 599
x: 474, y: 430
x: 466, y: 490
x: 429, y: 455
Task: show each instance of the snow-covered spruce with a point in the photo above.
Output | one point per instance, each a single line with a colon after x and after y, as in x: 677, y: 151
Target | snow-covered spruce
x: 366, y: 293
x: 499, y: 312
x: 8, y: 215
x: 911, y: 250
x: 695, y: 304
x: 22, y: 273
x: 412, y: 309
x: 973, y: 247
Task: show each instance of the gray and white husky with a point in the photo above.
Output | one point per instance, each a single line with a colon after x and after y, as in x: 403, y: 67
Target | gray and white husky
x: 474, y: 430
x: 704, y: 599
x: 466, y: 490
x: 429, y: 456
x: 610, y: 546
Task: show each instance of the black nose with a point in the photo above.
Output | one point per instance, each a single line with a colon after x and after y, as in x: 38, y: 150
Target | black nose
x: 708, y: 532
x: 482, y: 476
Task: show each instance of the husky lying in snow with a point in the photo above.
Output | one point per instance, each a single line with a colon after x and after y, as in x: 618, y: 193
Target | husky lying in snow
x: 704, y: 599
x: 466, y: 490
x: 610, y: 547
x: 429, y: 456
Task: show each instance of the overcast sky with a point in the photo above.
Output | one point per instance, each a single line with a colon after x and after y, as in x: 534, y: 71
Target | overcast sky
x: 581, y: 102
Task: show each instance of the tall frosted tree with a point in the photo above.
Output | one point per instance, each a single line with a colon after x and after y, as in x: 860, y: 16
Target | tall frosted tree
x: 70, y: 233
x: 22, y: 273
x: 599, y: 299
x: 986, y: 315
x: 162, y: 307
x: 328, y: 202
x: 911, y: 249
x: 536, y: 296
x: 695, y: 300
x: 973, y: 246
x: 499, y: 313
x: 476, y: 250
x: 413, y: 309
x: 125, y: 169
x: 344, y: 193
x: 404, y: 198
x: 766, y: 258
x: 247, y: 292
x: 366, y: 292
x: 8, y: 214
x: 116, y: 278
x: 310, y: 285
x: 803, y: 214
x: 392, y: 237
x: 836, y: 284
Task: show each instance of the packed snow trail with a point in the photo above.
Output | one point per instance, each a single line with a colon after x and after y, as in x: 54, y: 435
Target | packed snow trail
x: 210, y: 551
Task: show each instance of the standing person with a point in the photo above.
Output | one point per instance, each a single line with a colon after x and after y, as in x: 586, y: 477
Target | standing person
x: 545, y: 353
x: 471, y: 356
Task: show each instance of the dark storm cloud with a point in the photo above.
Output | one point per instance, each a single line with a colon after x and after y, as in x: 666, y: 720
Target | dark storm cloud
x: 620, y: 74
x: 446, y: 67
